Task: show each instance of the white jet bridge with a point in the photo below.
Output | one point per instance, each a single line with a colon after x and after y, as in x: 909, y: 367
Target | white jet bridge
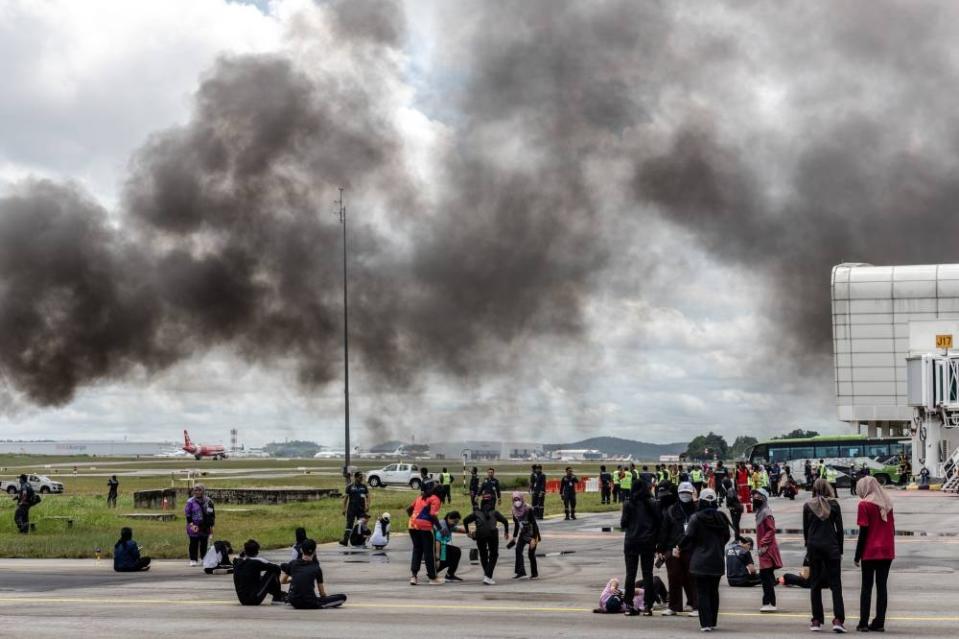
x: 933, y: 392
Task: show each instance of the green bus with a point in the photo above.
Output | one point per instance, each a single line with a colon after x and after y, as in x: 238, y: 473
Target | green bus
x: 841, y: 452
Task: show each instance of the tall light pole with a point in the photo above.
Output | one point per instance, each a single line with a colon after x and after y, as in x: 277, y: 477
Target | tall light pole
x: 341, y: 211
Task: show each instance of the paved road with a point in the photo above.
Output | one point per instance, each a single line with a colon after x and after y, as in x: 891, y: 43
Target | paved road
x: 82, y: 598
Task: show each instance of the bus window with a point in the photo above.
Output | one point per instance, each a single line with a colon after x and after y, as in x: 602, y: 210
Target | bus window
x: 851, y: 450
x: 878, y: 450
x: 759, y: 454
x: 801, y: 452
x: 827, y: 451
x: 778, y: 454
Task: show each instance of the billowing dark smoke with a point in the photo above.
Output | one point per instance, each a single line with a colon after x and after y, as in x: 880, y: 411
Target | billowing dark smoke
x: 785, y: 140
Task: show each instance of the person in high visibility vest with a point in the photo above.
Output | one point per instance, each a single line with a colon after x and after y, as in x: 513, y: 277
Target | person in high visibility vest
x: 832, y: 476
x: 755, y: 479
x: 446, y: 485
x: 696, y: 478
x: 617, y: 474
x: 625, y: 486
x: 764, y: 478
x: 822, y: 469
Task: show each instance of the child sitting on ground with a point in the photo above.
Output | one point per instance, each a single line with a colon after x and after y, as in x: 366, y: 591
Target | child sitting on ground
x: 611, y: 600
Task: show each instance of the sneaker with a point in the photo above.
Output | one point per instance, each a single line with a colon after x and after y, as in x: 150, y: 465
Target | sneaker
x: 193, y: 564
x: 862, y: 628
x: 837, y: 626
x: 768, y: 608
x: 437, y: 582
x: 518, y: 576
x: 706, y: 629
x: 815, y: 625
x: 534, y: 576
x: 874, y: 628
x: 452, y: 578
x: 692, y: 613
x: 630, y: 611
x: 669, y: 612
x: 488, y: 581
x: 573, y: 517
x: 413, y: 581
x: 688, y: 608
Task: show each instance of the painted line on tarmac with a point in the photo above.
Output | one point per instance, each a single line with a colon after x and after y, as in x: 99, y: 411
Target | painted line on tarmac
x: 433, y: 606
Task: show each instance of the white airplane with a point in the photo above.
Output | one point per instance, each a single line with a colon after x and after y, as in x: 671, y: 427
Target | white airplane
x: 331, y: 453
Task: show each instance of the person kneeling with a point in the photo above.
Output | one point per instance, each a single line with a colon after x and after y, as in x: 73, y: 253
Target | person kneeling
x: 740, y: 570
x: 302, y: 574
x: 254, y: 578
x: 126, y: 554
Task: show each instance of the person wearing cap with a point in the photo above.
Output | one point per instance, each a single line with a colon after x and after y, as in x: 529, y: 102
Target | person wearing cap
x: 676, y: 518
x: 706, y: 537
x: 767, y: 547
x: 381, y: 532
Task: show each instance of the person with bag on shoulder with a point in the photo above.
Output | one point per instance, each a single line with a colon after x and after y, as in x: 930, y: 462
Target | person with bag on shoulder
x: 26, y: 498
x: 200, y: 520
x: 823, y: 535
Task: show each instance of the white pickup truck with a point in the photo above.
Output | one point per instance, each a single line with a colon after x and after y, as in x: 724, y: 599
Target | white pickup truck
x: 41, y: 483
x: 395, y: 475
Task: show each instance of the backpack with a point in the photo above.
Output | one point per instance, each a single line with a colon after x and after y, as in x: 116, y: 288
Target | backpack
x: 34, y: 499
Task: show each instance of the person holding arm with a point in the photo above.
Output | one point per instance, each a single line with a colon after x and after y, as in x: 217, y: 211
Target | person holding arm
x: 200, y: 520
x: 486, y: 537
x: 303, y: 575
x: 767, y: 547
x: 823, y: 535
x: 356, y: 503
x: 875, y: 550
x: 447, y: 555
x: 525, y: 534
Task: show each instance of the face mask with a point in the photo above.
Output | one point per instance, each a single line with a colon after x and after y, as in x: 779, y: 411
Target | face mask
x: 757, y: 504
x: 685, y: 497
x: 517, y: 503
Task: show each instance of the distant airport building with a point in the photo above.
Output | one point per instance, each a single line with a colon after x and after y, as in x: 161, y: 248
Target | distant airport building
x: 486, y: 450
x: 97, y: 448
x: 577, y: 454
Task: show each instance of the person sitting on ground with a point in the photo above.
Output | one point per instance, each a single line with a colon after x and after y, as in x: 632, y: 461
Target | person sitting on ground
x: 217, y: 558
x: 444, y: 551
x: 659, y: 592
x: 302, y: 575
x: 254, y: 577
x: 126, y: 554
x: 295, y: 551
x: 789, y: 488
x: 361, y: 532
x: 741, y: 572
x: 381, y: 532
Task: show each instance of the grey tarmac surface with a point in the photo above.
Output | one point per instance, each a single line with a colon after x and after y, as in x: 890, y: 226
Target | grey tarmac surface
x: 70, y: 598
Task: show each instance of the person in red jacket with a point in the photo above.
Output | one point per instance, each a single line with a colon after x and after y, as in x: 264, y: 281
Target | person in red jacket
x: 767, y: 548
x: 875, y: 549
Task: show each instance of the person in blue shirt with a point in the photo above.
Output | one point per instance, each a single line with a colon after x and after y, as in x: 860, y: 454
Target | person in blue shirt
x: 126, y: 554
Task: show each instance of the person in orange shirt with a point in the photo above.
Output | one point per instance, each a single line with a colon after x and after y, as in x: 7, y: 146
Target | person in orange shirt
x: 423, y: 518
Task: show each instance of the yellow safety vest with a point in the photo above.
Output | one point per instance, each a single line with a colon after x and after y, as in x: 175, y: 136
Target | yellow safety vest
x: 616, y: 477
x: 627, y: 481
x: 446, y: 479
x: 696, y: 475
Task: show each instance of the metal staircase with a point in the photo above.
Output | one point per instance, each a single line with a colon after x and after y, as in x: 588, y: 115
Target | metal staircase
x: 951, y: 473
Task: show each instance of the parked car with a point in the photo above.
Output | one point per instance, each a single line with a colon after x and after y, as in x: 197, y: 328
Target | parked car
x: 395, y: 475
x: 41, y: 484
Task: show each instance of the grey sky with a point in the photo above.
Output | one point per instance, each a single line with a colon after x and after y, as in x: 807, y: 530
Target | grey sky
x: 654, y: 165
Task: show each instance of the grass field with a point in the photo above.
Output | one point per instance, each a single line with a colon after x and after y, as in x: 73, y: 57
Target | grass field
x: 96, y: 526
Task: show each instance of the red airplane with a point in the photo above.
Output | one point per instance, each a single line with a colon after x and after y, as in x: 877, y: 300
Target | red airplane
x: 203, y: 450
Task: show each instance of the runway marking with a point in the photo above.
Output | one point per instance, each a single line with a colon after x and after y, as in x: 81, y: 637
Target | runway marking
x: 432, y: 606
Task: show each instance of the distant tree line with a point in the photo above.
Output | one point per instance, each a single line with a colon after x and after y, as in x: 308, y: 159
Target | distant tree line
x: 713, y: 446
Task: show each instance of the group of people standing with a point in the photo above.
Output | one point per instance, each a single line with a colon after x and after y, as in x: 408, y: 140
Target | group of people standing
x: 684, y: 528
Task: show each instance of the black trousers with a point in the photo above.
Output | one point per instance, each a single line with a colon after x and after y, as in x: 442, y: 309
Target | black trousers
x: 707, y: 588
x: 269, y: 585
x: 489, y: 553
x: 520, y: 569
x: 473, y: 501
x: 21, y: 517
x: 112, y: 499
x: 633, y: 561
x: 452, y: 561
x: 825, y: 572
x: 698, y: 485
x: 141, y: 564
x: 680, y: 580
x: 539, y: 504
x: 768, y: 578
x: 198, y: 547
x: 605, y: 493
x: 790, y: 579
x: 422, y: 552
x: 569, y: 505
x: 615, y: 493
x: 315, y: 603
x: 445, y: 496
x: 774, y: 487
x: 874, y: 570
x: 748, y: 581
x: 720, y: 490
x: 736, y: 516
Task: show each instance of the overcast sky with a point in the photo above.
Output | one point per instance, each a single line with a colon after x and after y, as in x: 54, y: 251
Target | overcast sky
x: 671, y: 331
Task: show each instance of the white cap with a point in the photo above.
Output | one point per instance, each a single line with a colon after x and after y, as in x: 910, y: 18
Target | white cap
x: 763, y: 492
x: 708, y: 494
x: 386, y: 516
x: 686, y: 487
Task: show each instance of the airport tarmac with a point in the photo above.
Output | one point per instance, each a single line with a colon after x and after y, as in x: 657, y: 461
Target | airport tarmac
x: 57, y: 598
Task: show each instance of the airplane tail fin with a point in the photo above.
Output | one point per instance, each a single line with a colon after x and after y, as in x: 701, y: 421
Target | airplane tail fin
x: 186, y: 440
